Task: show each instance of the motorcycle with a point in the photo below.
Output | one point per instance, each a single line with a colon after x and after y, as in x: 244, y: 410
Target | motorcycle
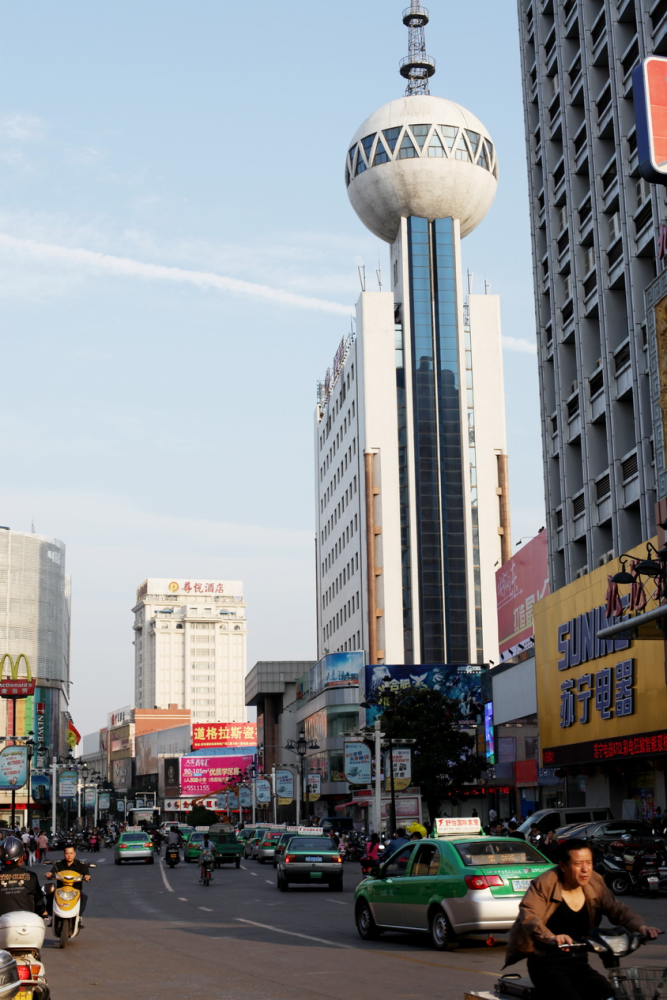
x: 172, y: 855
x: 206, y: 864
x: 66, y: 903
x: 22, y: 935
x: 93, y: 843
x: 611, y: 945
x: 157, y: 843
x: 635, y: 871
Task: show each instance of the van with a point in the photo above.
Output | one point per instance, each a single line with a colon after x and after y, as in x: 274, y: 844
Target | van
x: 553, y: 819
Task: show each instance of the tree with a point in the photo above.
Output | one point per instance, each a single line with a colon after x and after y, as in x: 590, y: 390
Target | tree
x: 201, y: 816
x: 443, y: 755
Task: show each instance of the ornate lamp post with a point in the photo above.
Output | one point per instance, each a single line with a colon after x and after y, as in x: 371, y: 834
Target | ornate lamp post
x: 300, y: 747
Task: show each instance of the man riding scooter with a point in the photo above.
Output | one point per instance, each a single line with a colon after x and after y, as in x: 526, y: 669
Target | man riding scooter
x: 561, y: 908
x: 206, y: 860
x: 69, y: 863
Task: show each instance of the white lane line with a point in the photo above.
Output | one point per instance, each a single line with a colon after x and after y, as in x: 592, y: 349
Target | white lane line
x: 269, y: 882
x: 182, y: 899
x: 341, y: 902
x: 206, y: 909
x: 244, y: 868
x: 306, y: 937
x: 164, y: 879
x: 254, y: 873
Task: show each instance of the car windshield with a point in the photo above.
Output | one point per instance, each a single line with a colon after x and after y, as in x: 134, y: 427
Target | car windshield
x: 271, y: 836
x: 498, y: 852
x: 318, y: 844
x: 135, y: 838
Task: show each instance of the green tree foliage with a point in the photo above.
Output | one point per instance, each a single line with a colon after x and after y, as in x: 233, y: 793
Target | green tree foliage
x: 444, y: 756
x: 200, y: 816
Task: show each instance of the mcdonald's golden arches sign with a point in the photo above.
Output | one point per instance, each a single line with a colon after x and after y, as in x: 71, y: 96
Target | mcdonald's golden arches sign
x: 14, y: 686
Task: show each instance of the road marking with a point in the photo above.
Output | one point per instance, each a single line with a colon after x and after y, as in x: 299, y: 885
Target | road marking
x: 206, y: 908
x: 244, y: 868
x: 253, y: 873
x: 341, y: 902
x: 182, y: 899
x: 164, y: 879
x: 269, y: 882
x: 306, y: 937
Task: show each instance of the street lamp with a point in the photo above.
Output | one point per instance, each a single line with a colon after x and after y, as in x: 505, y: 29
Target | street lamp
x: 300, y: 747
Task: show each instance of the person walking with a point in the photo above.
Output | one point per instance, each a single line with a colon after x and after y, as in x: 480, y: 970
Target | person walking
x: 42, y: 845
x: 32, y: 849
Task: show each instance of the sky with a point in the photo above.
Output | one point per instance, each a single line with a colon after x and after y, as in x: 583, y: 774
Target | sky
x: 178, y: 263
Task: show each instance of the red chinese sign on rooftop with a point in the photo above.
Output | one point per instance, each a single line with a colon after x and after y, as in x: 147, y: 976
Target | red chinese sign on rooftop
x: 224, y: 734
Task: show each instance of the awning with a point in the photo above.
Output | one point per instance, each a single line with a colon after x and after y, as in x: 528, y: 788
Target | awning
x: 363, y: 803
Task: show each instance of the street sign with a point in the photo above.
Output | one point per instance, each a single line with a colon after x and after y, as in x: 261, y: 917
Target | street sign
x: 13, y: 767
x: 67, y: 784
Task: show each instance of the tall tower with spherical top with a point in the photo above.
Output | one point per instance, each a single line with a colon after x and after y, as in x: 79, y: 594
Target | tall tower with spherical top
x: 428, y: 469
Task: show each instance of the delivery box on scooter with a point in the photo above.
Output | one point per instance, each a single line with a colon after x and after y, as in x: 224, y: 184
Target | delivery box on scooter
x: 21, y: 929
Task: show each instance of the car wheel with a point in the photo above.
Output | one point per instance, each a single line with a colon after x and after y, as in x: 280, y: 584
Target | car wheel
x: 337, y: 886
x: 261, y: 860
x: 282, y: 884
x: 440, y: 931
x: 116, y: 861
x: 238, y: 862
x: 151, y: 861
x: 366, y: 926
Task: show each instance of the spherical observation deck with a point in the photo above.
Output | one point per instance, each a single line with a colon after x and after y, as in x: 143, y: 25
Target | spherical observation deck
x: 423, y: 156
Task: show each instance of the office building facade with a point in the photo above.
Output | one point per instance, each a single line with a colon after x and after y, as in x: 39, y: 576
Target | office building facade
x: 593, y: 222
x: 190, y: 640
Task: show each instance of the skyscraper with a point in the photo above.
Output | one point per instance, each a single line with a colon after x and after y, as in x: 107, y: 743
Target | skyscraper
x: 190, y: 639
x: 410, y: 426
x: 593, y: 221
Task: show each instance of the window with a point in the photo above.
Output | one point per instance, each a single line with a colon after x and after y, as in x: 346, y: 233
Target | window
x: 391, y: 136
x: 420, y: 132
x: 481, y: 854
x: 398, y: 863
x: 462, y: 152
x: 381, y: 156
x: 427, y: 860
x: 435, y: 148
x: 449, y: 134
x: 407, y: 150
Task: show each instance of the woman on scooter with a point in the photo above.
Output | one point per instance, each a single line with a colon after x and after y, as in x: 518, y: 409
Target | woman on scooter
x: 561, y: 907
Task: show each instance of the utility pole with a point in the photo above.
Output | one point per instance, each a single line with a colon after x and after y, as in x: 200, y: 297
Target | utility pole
x: 54, y: 786
x: 377, y: 801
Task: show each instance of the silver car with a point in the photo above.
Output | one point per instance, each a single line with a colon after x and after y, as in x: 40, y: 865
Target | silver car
x: 266, y: 847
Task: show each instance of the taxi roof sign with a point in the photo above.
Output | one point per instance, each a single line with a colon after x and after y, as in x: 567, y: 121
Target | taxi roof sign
x: 458, y: 826
x: 133, y: 829
x: 202, y: 829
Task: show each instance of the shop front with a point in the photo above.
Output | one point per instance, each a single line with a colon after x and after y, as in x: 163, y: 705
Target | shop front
x: 601, y: 701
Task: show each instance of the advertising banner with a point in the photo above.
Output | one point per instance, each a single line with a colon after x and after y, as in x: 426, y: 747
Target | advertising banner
x: 402, y: 761
x: 13, y: 686
x: 105, y: 801
x: 489, y: 745
x: 224, y: 734
x: 233, y: 799
x: 121, y: 774
x: 146, y: 752
x: 208, y: 775
x: 314, y: 786
x: 357, y: 757
x: 285, y: 786
x: 172, y: 778
x: 336, y: 670
x: 67, y: 782
x: 89, y: 798
x: 221, y: 801
x: 245, y: 797
x: 520, y: 582
x: 263, y: 791
x: 40, y: 785
x: 13, y: 767
x: 462, y: 682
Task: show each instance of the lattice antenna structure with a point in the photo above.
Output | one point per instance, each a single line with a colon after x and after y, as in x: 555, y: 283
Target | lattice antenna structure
x: 417, y: 68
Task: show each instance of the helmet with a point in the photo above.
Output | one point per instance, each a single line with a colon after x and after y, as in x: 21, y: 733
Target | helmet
x: 11, y: 850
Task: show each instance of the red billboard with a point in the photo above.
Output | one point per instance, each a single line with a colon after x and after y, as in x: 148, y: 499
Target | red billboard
x: 520, y: 582
x: 649, y: 86
x: 208, y: 775
x: 209, y: 735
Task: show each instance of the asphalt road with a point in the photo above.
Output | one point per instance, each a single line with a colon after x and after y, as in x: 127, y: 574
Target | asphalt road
x: 158, y: 934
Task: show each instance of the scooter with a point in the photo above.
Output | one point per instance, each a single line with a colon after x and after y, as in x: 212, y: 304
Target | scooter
x: 611, y: 945
x: 22, y: 935
x: 172, y: 855
x: 634, y: 871
x: 66, y: 903
x: 206, y: 863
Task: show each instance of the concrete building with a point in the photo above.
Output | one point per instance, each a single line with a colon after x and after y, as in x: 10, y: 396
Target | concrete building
x: 35, y: 622
x: 271, y: 688
x: 190, y: 648
x: 411, y: 480
x: 593, y: 226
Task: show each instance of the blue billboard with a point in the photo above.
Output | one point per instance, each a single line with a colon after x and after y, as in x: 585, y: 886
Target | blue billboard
x: 461, y: 681
x: 336, y: 670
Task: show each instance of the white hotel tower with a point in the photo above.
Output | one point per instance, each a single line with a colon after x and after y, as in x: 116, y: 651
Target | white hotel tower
x: 412, y: 496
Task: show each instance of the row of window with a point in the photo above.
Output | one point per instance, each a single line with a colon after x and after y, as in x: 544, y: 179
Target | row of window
x: 352, y: 450
x: 347, y: 646
x: 335, y: 408
x: 344, y: 539
x: 416, y: 141
x: 346, y: 573
x: 339, y: 619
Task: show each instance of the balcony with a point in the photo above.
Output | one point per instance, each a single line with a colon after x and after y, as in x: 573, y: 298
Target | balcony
x: 630, y: 478
x: 579, y: 515
x: 603, y: 498
x: 570, y: 20
x: 585, y: 213
x: 559, y: 179
x: 658, y: 15
x: 629, y: 60
x: 580, y: 144
x: 573, y: 417
x: 597, y: 397
x: 626, y: 10
x: 599, y: 40
x: 560, y: 533
x: 623, y: 370
x: 616, y: 263
x: 604, y: 106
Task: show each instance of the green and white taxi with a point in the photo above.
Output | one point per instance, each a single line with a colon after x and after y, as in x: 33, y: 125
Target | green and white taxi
x: 311, y: 859
x: 458, y: 883
x: 133, y: 845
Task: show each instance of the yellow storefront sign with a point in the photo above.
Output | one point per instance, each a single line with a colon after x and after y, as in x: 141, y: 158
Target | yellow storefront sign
x: 596, y: 700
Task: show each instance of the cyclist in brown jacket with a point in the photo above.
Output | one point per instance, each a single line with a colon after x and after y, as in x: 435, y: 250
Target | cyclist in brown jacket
x: 560, y: 907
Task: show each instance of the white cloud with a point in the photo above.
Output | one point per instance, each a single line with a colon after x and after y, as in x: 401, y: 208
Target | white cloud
x: 90, y: 260
x: 519, y: 345
x: 22, y: 128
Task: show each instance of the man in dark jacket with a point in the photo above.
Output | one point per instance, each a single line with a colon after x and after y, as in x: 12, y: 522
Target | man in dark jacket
x: 70, y: 864
x: 19, y: 888
x: 561, y: 907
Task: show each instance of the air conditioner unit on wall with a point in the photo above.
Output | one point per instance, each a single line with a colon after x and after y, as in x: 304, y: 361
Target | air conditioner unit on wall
x: 582, y: 571
x: 607, y: 557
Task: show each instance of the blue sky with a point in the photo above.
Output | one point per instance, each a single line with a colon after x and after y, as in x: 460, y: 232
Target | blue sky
x: 160, y: 423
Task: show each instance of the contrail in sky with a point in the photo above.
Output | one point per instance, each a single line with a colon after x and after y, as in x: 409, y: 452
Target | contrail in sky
x: 137, y: 269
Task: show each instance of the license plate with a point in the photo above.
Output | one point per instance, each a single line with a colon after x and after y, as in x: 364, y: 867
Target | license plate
x: 24, y: 995
x: 316, y: 874
x: 313, y: 859
x: 520, y: 884
x: 653, y: 880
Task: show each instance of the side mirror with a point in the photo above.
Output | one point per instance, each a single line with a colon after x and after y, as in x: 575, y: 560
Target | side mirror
x: 374, y: 872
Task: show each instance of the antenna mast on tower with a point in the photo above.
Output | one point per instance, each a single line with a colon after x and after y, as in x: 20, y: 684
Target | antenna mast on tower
x: 417, y: 68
